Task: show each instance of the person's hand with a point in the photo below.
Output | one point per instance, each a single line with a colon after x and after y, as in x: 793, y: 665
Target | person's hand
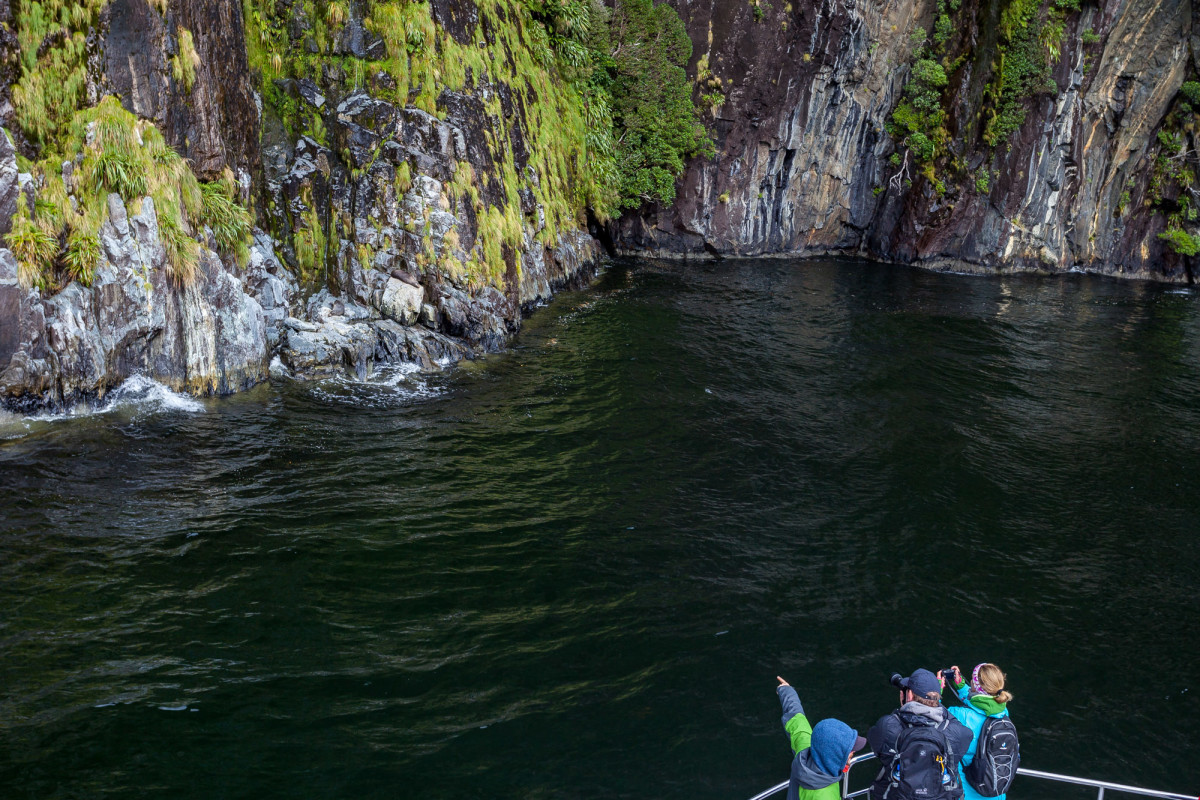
x: 957, y: 676
x: 782, y: 682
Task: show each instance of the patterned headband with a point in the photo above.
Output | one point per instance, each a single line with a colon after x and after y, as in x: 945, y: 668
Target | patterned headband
x: 975, y: 684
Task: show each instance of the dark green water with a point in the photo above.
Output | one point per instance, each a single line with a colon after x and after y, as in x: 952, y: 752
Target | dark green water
x: 574, y: 570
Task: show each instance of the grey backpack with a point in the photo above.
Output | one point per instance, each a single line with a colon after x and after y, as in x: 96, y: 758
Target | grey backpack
x: 996, y: 759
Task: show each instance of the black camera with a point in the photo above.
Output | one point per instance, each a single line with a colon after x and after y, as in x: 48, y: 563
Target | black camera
x: 896, y: 678
x: 948, y: 674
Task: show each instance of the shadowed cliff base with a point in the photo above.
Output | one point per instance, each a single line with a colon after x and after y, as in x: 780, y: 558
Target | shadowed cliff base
x: 977, y: 135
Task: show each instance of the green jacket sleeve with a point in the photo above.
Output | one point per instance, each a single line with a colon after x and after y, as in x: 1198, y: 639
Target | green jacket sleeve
x: 795, y: 724
x: 799, y: 731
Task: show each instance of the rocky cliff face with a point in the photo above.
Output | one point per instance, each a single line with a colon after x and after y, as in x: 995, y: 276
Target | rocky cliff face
x: 206, y: 337
x: 806, y: 163
x: 214, y: 121
x: 431, y: 204
x: 419, y: 178
x: 407, y: 215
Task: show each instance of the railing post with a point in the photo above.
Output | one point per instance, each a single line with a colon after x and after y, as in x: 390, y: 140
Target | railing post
x: 845, y: 784
x: 1100, y: 794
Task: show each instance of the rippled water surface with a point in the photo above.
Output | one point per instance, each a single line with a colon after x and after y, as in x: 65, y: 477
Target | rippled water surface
x: 574, y: 570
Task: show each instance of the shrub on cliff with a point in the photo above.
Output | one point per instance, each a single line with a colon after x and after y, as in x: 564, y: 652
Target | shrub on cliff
x: 115, y: 152
x: 656, y: 123
x: 1024, y: 72
x: 1191, y: 92
x: 629, y: 64
x: 919, y: 121
x: 1030, y: 44
x: 1182, y: 242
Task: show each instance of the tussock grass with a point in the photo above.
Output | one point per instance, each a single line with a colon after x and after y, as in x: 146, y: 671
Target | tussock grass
x: 81, y: 256
x: 229, y: 221
x: 185, y: 62
x: 32, y: 246
x: 53, y: 80
x: 59, y: 241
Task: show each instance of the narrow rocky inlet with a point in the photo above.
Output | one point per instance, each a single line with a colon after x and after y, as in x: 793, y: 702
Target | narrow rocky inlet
x: 490, y: 398
x: 204, y: 192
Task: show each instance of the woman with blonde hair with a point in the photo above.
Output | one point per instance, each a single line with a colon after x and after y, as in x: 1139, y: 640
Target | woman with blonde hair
x: 985, y: 698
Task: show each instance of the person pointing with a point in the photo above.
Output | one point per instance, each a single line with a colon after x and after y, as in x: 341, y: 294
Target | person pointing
x: 821, y: 753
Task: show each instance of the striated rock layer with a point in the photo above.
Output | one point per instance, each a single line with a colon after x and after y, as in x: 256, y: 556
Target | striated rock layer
x: 803, y: 163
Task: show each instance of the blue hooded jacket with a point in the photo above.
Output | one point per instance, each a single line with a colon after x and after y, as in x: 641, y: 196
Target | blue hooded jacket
x: 973, y: 717
x: 820, y: 752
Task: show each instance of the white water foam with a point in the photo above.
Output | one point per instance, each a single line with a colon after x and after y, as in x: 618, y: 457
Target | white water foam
x: 136, y: 394
x: 395, y: 375
x: 388, y: 386
x: 142, y: 393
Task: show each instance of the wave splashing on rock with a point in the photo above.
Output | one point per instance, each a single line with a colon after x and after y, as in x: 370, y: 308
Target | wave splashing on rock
x: 142, y: 393
x: 137, y: 395
x: 388, y: 387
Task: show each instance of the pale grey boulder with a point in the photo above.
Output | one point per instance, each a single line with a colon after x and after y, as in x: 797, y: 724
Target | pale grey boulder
x: 9, y: 182
x: 402, y: 301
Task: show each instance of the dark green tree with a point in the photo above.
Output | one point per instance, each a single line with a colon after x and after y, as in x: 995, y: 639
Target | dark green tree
x: 628, y: 62
x: 657, y: 126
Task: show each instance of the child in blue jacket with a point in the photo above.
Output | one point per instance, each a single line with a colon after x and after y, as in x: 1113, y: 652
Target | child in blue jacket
x: 821, y: 752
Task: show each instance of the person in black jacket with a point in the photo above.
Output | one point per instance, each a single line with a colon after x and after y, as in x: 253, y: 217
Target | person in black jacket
x: 912, y: 759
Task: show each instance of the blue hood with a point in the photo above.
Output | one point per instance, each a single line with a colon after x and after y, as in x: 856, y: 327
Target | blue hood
x: 832, y: 741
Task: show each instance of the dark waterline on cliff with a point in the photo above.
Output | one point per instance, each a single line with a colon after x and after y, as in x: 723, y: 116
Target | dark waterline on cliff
x: 575, y: 569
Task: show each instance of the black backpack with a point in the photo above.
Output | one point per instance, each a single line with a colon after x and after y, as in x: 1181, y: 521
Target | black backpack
x: 922, y: 767
x: 996, y: 758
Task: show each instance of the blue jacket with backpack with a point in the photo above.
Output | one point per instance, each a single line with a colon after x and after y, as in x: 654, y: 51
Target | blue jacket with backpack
x: 973, y: 714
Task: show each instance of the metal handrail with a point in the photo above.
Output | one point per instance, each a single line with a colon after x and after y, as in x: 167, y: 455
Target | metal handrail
x: 1102, y: 785
x: 1033, y: 773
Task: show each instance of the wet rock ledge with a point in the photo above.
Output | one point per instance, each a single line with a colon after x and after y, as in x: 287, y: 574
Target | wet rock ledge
x: 232, y: 326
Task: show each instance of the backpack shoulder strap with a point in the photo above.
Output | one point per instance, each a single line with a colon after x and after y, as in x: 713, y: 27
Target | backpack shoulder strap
x: 893, y: 751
